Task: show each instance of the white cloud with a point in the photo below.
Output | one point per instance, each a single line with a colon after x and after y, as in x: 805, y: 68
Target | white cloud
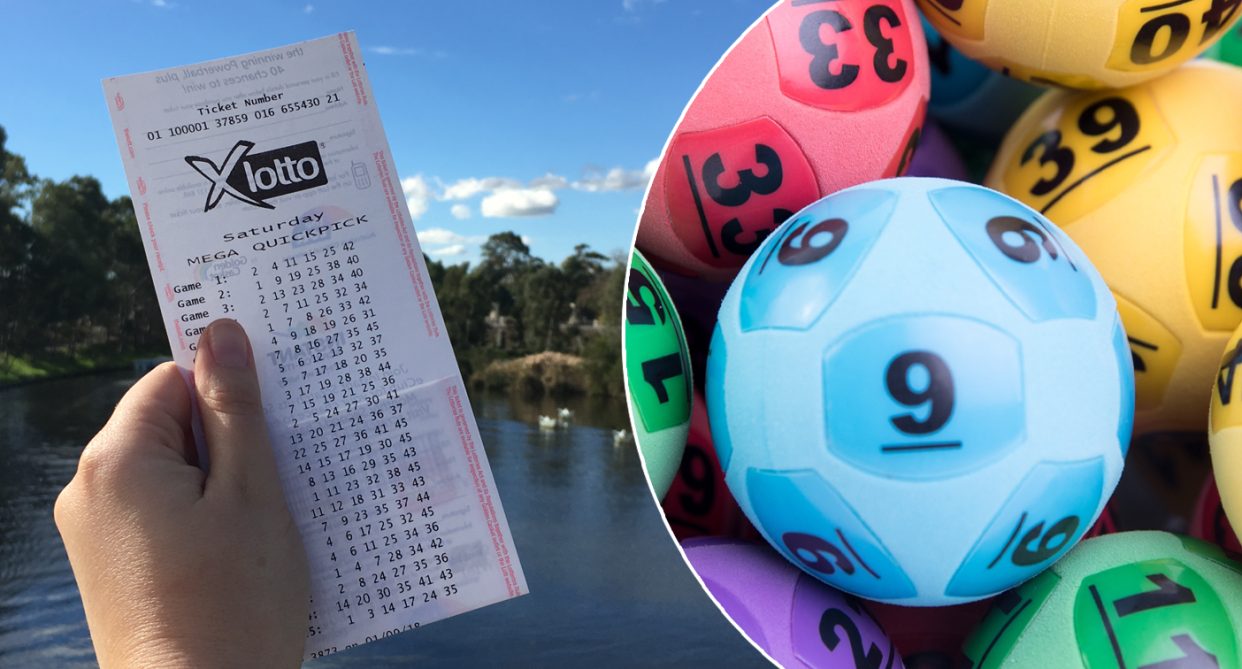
x: 442, y: 236
x: 309, y: 9
x: 394, y: 51
x: 417, y: 193
x: 455, y: 250
x: 465, y: 189
x: 461, y: 212
x: 519, y: 203
x: 616, y: 179
x: 633, y: 5
x: 548, y: 182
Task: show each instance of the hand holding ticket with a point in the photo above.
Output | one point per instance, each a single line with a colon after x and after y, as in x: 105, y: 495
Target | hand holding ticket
x: 266, y: 192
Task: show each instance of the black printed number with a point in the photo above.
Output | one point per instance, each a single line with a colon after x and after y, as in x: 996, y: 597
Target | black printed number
x: 659, y: 370
x: 1029, y: 251
x: 801, y: 247
x: 696, y: 473
x: 1178, y: 25
x: 1234, y: 205
x: 939, y: 391
x: 1037, y: 546
x: 827, y: 558
x: 643, y: 313
x: 828, y: 624
x: 738, y: 195
x: 1123, y: 116
x: 820, y: 69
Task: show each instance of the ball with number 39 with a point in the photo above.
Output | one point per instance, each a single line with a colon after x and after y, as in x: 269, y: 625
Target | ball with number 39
x: 1147, y: 180
x: 813, y: 98
x: 920, y: 391
x: 1141, y: 600
x: 1085, y: 44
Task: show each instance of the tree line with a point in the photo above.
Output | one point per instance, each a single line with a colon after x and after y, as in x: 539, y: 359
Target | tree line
x: 74, y: 283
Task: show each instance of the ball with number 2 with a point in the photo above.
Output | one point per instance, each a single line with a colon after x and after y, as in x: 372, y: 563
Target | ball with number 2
x: 920, y: 391
x: 813, y: 98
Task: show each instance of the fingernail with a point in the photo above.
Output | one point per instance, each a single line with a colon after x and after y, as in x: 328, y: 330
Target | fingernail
x: 229, y: 347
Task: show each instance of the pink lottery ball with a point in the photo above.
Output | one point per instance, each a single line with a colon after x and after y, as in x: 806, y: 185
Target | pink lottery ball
x: 797, y: 620
x: 813, y: 98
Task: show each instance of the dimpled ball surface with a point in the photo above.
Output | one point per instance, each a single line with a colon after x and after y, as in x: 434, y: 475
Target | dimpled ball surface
x: 657, y: 374
x: 795, y: 619
x: 920, y: 391
x: 1135, y: 599
x: 1085, y: 44
x: 813, y: 98
x: 1147, y: 180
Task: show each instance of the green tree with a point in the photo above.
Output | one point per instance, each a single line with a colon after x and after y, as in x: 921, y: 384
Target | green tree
x: 16, y: 238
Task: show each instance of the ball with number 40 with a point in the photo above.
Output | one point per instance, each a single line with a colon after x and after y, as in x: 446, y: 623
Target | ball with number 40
x: 920, y: 391
x: 1148, y: 181
x: 1139, y: 600
x: 1086, y: 44
x: 813, y: 98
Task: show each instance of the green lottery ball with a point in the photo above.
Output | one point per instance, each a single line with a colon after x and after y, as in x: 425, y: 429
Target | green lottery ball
x: 657, y: 373
x: 1139, y: 600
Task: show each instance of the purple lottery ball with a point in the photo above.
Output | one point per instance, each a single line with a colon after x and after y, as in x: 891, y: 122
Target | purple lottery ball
x: 796, y: 619
x: 936, y: 156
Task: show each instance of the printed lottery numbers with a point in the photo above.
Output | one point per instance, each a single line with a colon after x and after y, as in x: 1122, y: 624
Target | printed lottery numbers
x: 1213, y: 241
x: 1087, y: 151
x: 1152, y: 34
x: 938, y: 391
x: 847, y: 56
x: 655, y: 351
x: 729, y: 188
x: 1152, y: 615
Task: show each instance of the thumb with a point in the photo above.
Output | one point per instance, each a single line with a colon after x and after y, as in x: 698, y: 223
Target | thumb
x: 232, y: 413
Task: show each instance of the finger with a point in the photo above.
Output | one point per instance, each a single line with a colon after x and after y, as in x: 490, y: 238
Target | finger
x: 231, y: 407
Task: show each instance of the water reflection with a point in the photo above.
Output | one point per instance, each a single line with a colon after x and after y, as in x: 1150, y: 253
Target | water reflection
x: 609, y: 589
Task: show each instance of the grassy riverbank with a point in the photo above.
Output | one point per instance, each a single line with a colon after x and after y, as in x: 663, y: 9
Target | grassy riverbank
x: 55, y: 364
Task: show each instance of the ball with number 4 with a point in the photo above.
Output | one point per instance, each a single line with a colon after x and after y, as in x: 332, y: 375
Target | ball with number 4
x: 1085, y: 44
x: 1139, y: 600
x: 1148, y: 180
x: 920, y: 391
x: 813, y: 98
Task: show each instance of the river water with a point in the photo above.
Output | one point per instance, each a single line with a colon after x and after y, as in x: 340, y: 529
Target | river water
x: 608, y: 587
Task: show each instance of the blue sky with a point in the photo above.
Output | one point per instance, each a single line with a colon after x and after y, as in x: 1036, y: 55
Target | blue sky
x: 536, y: 116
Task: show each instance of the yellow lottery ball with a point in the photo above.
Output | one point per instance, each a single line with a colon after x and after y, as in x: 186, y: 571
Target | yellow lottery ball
x: 1225, y: 430
x: 1088, y: 44
x: 1148, y: 180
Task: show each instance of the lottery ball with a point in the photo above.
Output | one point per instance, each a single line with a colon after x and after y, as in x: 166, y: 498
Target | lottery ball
x: 698, y: 502
x: 1148, y: 180
x: 795, y: 619
x: 1210, y: 522
x: 919, y: 391
x: 1085, y: 44
x: 813, y: 98
x: 930, y: 637
x: 657, y: 374
x: 967, y: 97
x: 1228, y: 49
x: 1145, y: 600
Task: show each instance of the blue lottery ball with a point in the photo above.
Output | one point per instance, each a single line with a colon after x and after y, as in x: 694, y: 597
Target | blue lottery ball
x: 920, y: 391
x: 970, y: 98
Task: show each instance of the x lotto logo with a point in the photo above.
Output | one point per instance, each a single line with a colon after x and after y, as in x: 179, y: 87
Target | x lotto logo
x: 256, y: 178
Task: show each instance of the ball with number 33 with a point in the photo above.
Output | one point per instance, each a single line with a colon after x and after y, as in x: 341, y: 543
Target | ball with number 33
x: 813, y: 98
x: 920, y: 391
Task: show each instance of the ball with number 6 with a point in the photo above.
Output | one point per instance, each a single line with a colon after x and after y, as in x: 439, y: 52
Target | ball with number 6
x: 920, y: 391
x: 813, y: 98
x: 1148, y: 180
x: 1086, y: 44
x: 1142, y: 600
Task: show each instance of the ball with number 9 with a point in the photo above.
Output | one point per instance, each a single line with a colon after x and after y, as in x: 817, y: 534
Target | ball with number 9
x: 1085, y: 44
x: 1148, y: 180
x: 920, y: 391
x: 813, y: 98
x: 1144, y: 600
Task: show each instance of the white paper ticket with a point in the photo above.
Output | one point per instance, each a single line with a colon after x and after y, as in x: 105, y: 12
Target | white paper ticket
x: 266, y: 192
